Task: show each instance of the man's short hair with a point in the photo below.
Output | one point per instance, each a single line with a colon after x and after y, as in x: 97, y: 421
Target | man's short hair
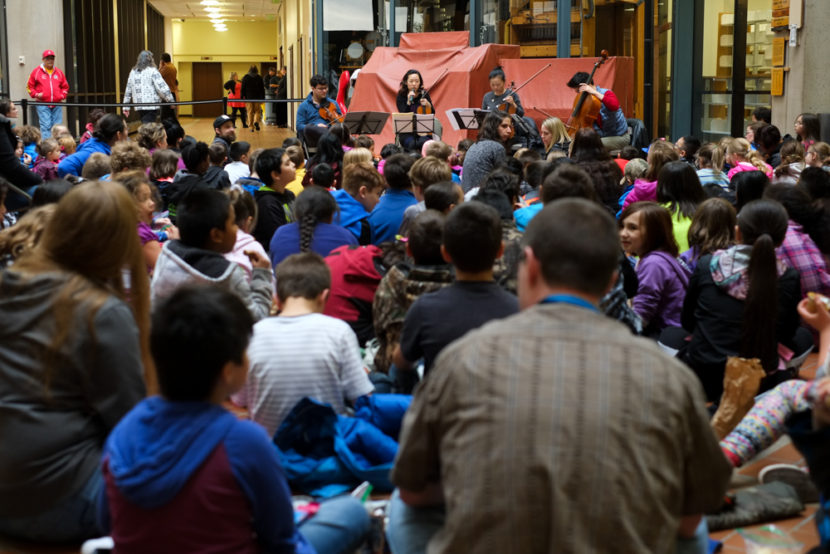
x: 194, y: 155
x: 269, y: 160
x: 359, y: 175
x: 317, y: 80
x: 303, y: 275
x: 200, y: 211
x: 427, y: 171
x: 577, y: 244
x: 396, y: 171
x: 217, y: 153
x: 762, y: 113
x: 322, y: 175
x: 579, y: 78
x: 425, y: 236
x: 568, y: 181
x: 440, y: 196
x: 472, y: 236
x: 194, y: 333
x: 96, y: 166
x: 239, y: 149
x: 165, y: 57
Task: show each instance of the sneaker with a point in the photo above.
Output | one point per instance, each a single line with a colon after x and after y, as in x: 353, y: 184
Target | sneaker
x: 794, y: 476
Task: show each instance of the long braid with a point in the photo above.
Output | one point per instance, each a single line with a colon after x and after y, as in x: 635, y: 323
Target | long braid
x: 307, y: 224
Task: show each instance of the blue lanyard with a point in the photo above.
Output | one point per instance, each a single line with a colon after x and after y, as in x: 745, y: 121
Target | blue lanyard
x: 568, y: 299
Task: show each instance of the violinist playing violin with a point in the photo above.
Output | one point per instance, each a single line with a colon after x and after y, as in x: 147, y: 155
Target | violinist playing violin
x: 502, y: 98
x: 412, y: 98
x: 317, y: 112
x: 611, y: 123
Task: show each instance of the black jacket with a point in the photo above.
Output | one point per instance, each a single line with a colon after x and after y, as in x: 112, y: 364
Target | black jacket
x: 274, y: 210
x: 11, y: 168
x: 253, y: 86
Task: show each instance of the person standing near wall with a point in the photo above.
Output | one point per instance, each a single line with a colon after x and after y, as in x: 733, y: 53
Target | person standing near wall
x: 253, y: 88
x: 170, y: 75
x: 47, y: 83
x: 270, y: 94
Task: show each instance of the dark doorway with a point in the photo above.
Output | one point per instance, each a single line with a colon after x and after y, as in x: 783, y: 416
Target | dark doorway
x: 207, y: 85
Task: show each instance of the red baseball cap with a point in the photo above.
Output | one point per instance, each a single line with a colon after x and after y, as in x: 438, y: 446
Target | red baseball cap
x: 48, y: 53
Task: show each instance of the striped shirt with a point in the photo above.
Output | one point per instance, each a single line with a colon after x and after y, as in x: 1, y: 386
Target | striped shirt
x: 556, y: 430
x: 310, y: 355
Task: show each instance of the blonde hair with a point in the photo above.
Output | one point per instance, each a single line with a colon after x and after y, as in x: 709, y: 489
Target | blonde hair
x: 150, y: 134
x: 660, y: 152
x: 128, y: 155
x: 68, y: 144
x: 740, y: 148
x: 710, y: 156
x: 557, y: 130
x: 360, y: 174
x: 438, y: 149
x: 92, y: 238
x: 357, y: 155
x: 428, y: 171
x: 22, y: 237
x: 822, y: 151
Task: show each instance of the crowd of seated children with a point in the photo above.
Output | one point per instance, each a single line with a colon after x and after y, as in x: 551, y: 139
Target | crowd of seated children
x: 128, y: 156
x: 386, y: 217
x: 208, y: 230
x: 274, y: 203
x: 712, y: 229
x: 679, y: 191
x: 590, y: 155
x: 301, y: 352
x: 362, y: 187
x: 182, y: 474
x: 329, y: 151
x: 471, y: 243
x: 312, y: 230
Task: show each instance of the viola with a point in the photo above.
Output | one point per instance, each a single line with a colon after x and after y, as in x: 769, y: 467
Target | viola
x: 329, y: 112
x: 586, y: 106
x: 507, y: 106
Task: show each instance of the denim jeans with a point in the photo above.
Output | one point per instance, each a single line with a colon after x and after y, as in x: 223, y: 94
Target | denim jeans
x: 70, y: 520
x: 48, y: 117
x: 410, y: 529
x: 340, y: 525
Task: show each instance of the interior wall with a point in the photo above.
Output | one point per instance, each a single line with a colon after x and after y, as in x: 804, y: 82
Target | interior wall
x: 33, y: 26
x: 296, y: 42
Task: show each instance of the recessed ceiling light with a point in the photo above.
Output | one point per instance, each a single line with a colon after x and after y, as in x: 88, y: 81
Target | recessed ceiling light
x: 210, y: 2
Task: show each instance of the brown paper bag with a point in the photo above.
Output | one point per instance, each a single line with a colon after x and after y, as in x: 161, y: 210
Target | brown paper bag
x: 741, y: 382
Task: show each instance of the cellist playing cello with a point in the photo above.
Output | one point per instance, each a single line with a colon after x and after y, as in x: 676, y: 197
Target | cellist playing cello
x: 610, y: 124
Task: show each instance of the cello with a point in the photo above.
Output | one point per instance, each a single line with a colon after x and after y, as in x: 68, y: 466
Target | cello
x: 586, y: 105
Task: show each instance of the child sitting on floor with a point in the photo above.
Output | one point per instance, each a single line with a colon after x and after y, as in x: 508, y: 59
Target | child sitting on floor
x: 362, y: 187
x: 183, y: 474
x: 47, y: 162
x: 301, y: 352
x: 207, y: 227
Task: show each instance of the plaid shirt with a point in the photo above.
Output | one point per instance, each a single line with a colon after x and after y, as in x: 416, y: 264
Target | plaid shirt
x: 555, y: 430
x: 800, y: 252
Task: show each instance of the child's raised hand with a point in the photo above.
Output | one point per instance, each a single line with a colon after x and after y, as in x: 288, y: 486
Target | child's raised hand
x: 814, y: 314
x: 258, y: 260
x: 173, y: 232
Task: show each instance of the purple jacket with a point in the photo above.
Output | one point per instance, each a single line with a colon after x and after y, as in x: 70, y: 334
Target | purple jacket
x: 662, y: 288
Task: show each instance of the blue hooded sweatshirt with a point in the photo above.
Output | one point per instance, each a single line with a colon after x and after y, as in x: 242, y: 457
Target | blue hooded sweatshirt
x: 159, y: 445
x: 351, y: 214
x: 74, y: 163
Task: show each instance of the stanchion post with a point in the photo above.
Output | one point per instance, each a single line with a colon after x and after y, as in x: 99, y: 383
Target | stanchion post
x: 24, y: 105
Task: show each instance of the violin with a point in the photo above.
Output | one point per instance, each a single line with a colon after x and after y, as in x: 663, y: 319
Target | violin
x: 509, y: 107
x: 586, y: 106
x: 328, y: 111
x: 428, y: 109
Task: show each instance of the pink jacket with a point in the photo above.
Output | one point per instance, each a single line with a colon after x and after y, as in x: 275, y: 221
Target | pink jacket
x: 54, y: 87
x: 643, y: 191
x: 746, y: 166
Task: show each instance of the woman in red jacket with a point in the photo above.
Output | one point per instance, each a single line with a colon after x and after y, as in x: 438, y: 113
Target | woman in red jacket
x: 234, y: 88
x: 47, y: 83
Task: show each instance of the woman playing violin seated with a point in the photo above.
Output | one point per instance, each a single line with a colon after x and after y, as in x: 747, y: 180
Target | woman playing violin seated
x: 505, y: 99
x: 412, y: 98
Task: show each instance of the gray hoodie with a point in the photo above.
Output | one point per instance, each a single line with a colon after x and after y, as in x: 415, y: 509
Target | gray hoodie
x: 52, y: 436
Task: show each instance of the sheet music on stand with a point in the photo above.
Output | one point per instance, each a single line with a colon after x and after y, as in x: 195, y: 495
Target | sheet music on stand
x: 365, y: 123
x: 422, y: 124
x: 463, y: 119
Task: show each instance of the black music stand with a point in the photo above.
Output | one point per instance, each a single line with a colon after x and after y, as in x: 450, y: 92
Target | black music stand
x: 463, y: 119
x: 420, y: 124
x: 365, y: 123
